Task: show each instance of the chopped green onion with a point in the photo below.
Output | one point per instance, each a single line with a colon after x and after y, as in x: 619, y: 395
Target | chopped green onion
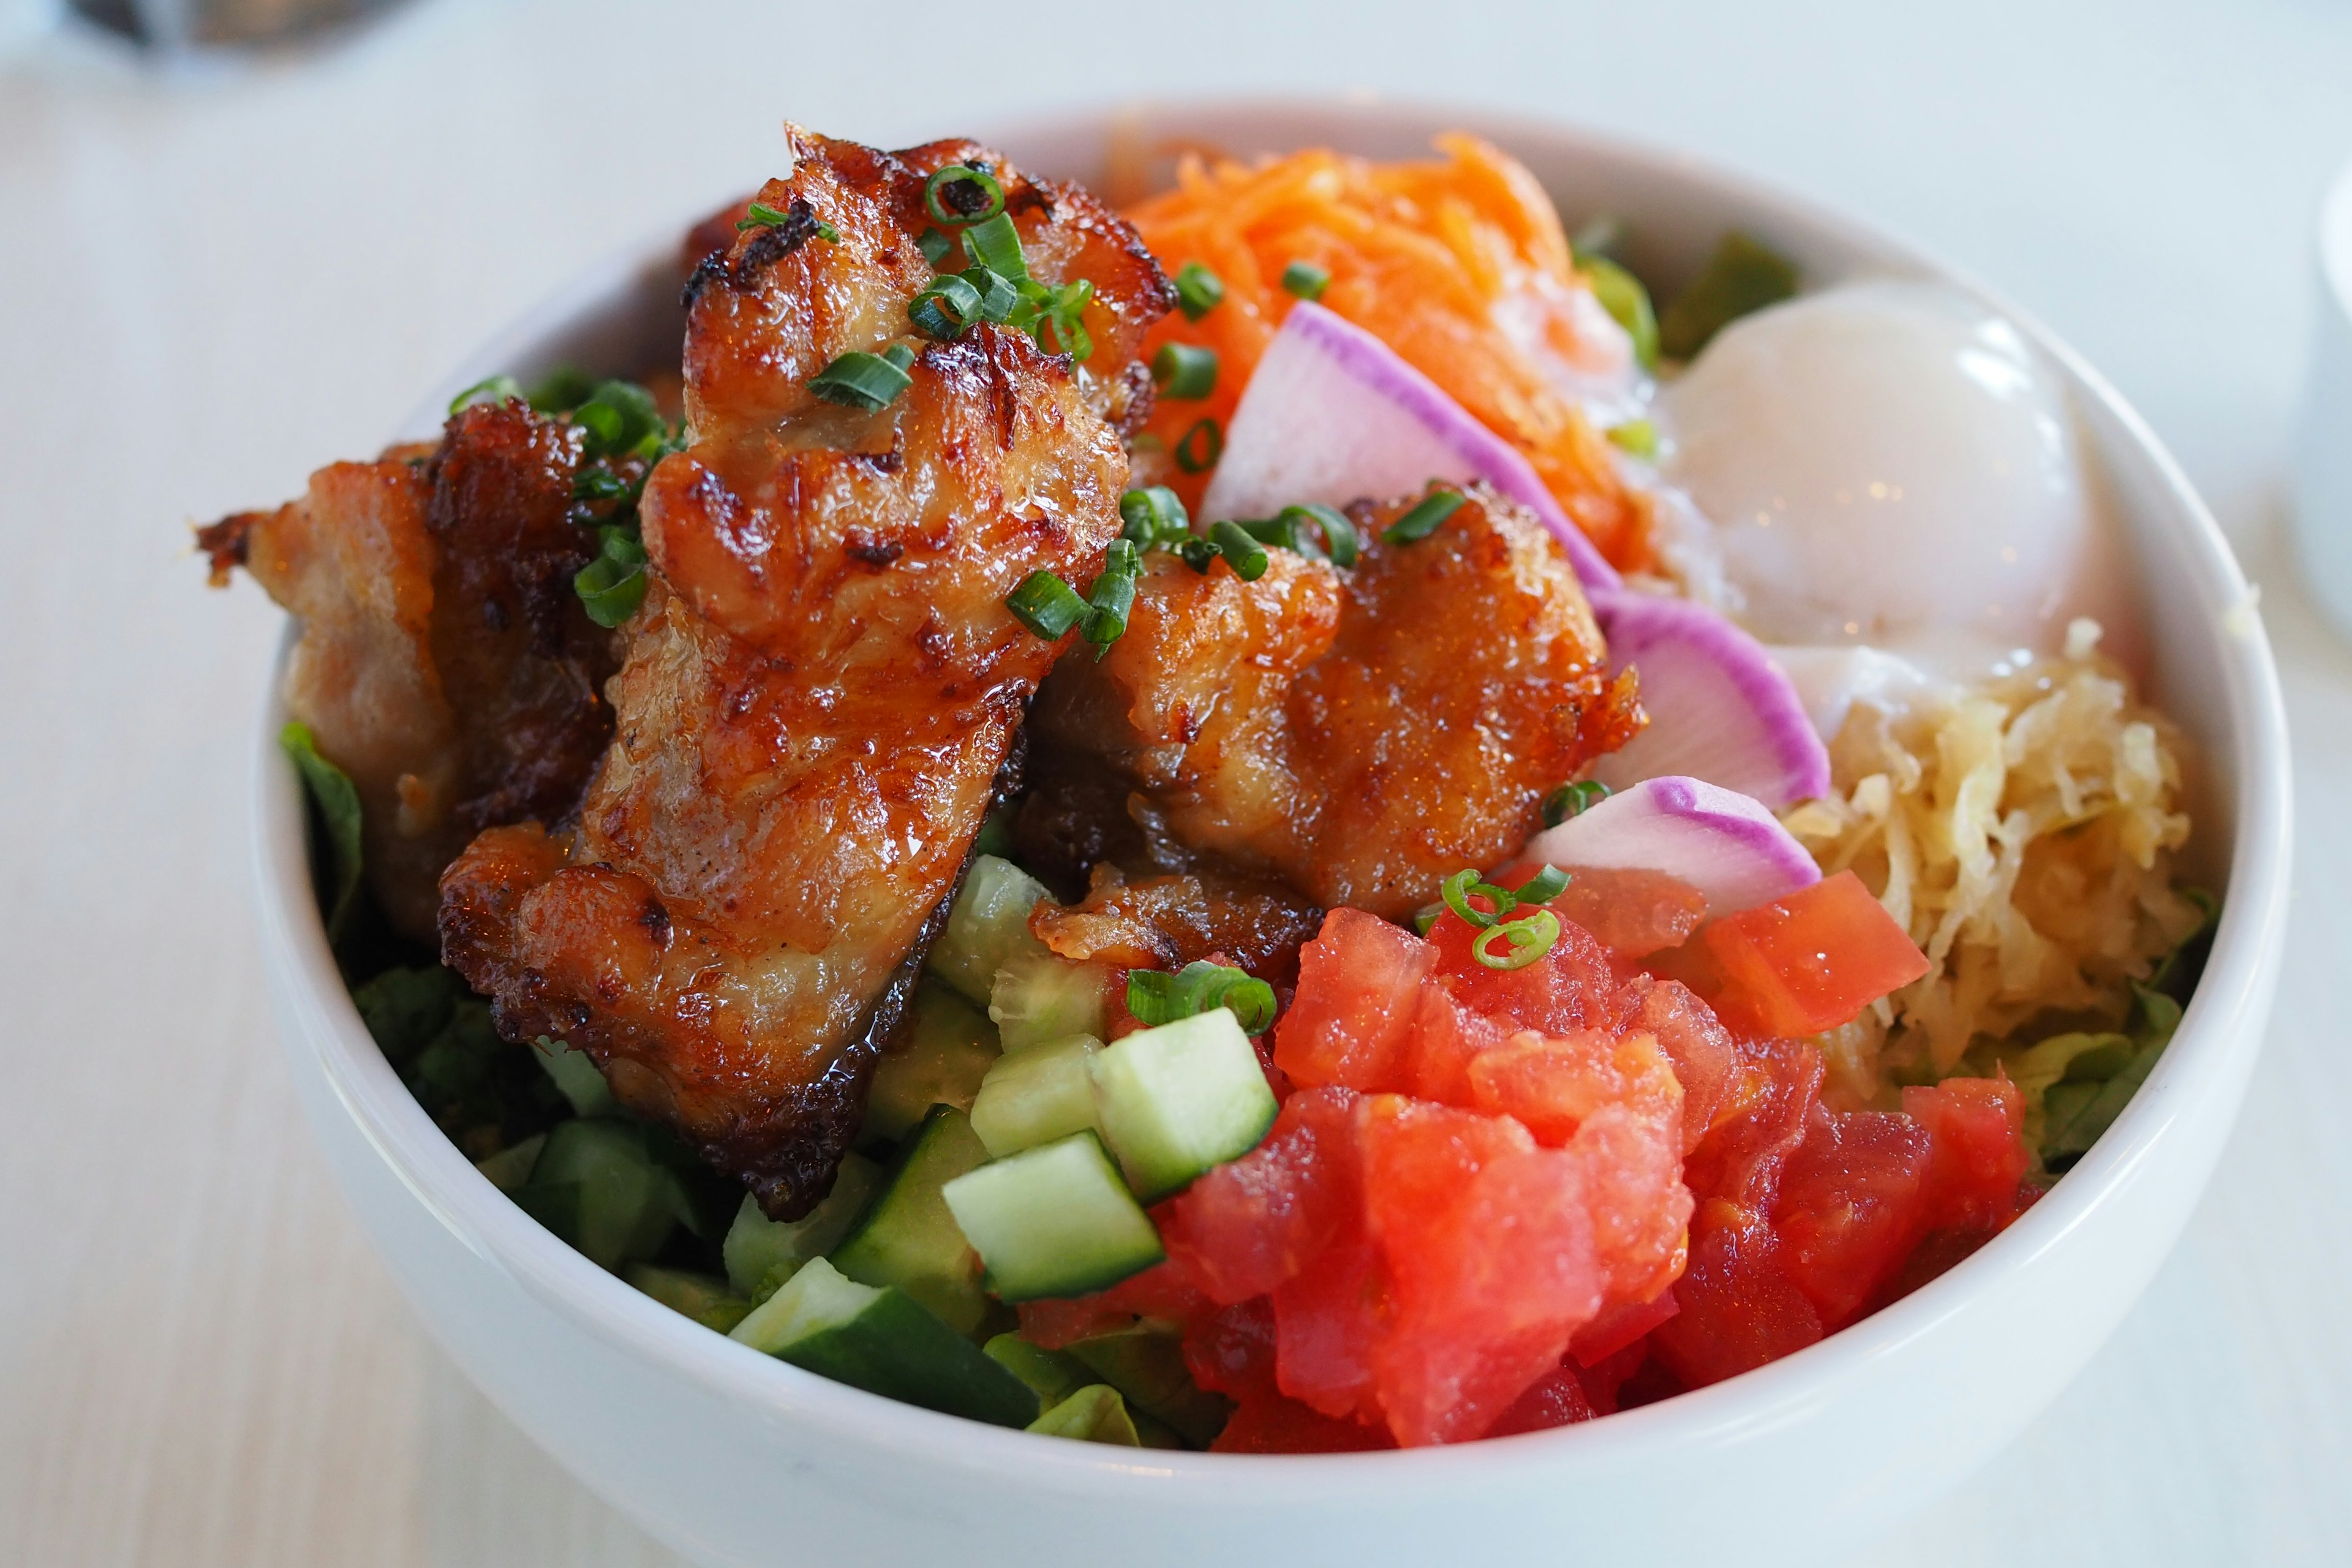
x: 1184, y: 371
x: 619, y: 416
x: 597, y: 482
x: 935, y: 245
x: 1426, y: 917
x: 1154, y: 518
x: 1112, y: 594
x: 562, y: 391
x: 491, y: 389
x: 858, y: 379
x: 1422, y: 520
x: 899, y: 354
x: 1544, y: 885
x: 1467, y: 884
x: 1064, y: 316
x: 1157, y: 998
x: 612, y: 587
x: 1245, y: 556
x: 947, y: 305
x: 998, y: 296
x: 1197, y: 552
x: 1046, y: 605
x: 1628, y: 303
x: 1198, y: 450
x: 1306, y: 280
x: 1340, y: 542
x: 961, y: 193
x: 1528, y: 938
x: 995, y: 244
x: 1198, y: 290
x: 1573, y: 800
x: 1638, y: 436
x: 1742, y: 276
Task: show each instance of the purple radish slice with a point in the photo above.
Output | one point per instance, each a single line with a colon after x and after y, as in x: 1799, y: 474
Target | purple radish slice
x: 1725, y: 844
x: 1332, y: 415
x: 1720, y: 708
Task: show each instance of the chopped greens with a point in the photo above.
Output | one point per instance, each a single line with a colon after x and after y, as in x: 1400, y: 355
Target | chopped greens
x: 1306, y: 280
x: 864, y: 381
x: 961, y: 193
x: 1183, y: 371
x: 1158, y: 998
x: 1198, y: 290
x: 1628, y: 303
x: 338, y: 802
x: 1744, y: 275
x: 1198, y: 450
x: 612, y: 587
x: 1155, y: 518
x: 1423, y: 517
x: 1573, y: 800
x: 490, y: 389
x: 1046, y: 606
x: 1636, y: 438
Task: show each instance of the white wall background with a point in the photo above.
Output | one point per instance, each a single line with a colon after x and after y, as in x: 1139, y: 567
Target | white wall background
x: 215, y: 278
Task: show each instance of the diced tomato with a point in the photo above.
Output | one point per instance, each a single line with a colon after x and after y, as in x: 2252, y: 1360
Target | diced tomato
x: 1359, y: 984
x: 1164, y: 1293
x: 1231, y: 1352
x: 1978, y: 1127
x: 1446, y: 1037
x: 1270, y: 1424
x: 1326, y: 1319
x: 1248, y: 1225
x: 1572, y: 987
x: 1852, y: 1205
x: 1738, y: 1307
x: 1811, y: 960
x: 1640, y: 1210
x: 1699, y: 1047
x: 1488, y: 1241
x: 1556, y: 1399
x: 1763, y: 1120
x: 1631, y: 912
x: 1620, y: 1327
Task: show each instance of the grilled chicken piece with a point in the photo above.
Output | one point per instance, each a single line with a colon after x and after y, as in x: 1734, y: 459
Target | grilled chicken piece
x: 823, y: 682
x: 1361, y: 734
x: 444, y: 661
x: 1168, y: 921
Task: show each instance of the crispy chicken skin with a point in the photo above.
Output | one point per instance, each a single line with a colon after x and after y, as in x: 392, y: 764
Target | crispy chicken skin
x: 824, y: 683
x: 444, y: 662
x: 1362, y: 734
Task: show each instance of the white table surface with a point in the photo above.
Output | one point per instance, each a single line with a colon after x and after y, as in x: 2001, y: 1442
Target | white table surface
x: 213, y: 280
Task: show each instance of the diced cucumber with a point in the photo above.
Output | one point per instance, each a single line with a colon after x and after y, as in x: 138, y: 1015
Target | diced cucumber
x: 578, y: 1076
x: 988, y: 924
x: 1034, y: 1096
x: 762, y: 1252
x: 881, y: 1341
x: 595, y: 1186
x: 1055, y: 1220
x: 1095, y: 1414
x: 1148, y: 1366
x: 908, y: 1237
x: 1038, y: 997
x: 701, y: 1297
x: 1180, y: 1099
x: 511, y: 1168
x: 1050, y: 1375
x: 948, y: 1045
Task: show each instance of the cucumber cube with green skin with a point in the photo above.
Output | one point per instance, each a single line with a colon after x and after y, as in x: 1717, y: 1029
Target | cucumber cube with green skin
x: 1095, y: 1414
x: 578, y: 1076
x: 881, y: 1341
x: 596, y: 1186
x: 947, y: 1049
x: 1050, y: 1375
x: 988, y: 924
x: 908, y: 1239
x: 1055, y: 1220
x: 1176, y: 1101
x: 511, y: 1168
x: 1148, y: 1367
x: 703, y: 1298
x: 1038, y: 998
x: 762, y: 1252
x: 1034, y: 1096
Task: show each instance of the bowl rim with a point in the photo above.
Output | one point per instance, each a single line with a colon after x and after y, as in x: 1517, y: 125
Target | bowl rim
x: 2218, y: 1028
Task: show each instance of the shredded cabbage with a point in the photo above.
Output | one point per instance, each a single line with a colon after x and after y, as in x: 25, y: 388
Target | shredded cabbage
x: 2022, y: 831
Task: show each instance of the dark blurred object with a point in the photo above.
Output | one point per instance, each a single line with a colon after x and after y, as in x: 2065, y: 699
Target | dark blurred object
x: 187, y: 24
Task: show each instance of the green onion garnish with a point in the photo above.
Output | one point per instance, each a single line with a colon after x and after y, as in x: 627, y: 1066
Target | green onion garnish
x: 995, y: 244
x: 1184, y: 371
x: 998, y: 296
x: 1573, y: 800
x: 1064, y: 316
x: 760, y: 215
x: 1467, y: 884
x: 870, y: 381
x: 1527, y: 939
x: 612, y: 587
x: 1154, y: 518
x: 1046, y: 605
x: 1621, y: 295
x: 1198, y: 290
x: 1338, y: 535
x: 961, y: 193
x: 1306, y: 280
x: 1113, y: 594
x: 935, y: 245
x: 1198, y: 450
x: 1157, y: 998
x: 1544, y: 885
x: 562, y: 391
x: 1197, y: 552
x: 947, y: 305
x: 491, y: 389
x: 1426, y: 917
x: 1244, y: 554
x: 597, y: 482
x: 1422, y: 520
x: 619, y: 416
x: 1637, y: 436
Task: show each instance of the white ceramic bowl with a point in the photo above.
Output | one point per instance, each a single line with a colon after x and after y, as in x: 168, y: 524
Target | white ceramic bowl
x: 733, y: 1457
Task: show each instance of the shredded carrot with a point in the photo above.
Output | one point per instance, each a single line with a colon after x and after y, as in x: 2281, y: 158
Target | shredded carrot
x: 1428, y: 256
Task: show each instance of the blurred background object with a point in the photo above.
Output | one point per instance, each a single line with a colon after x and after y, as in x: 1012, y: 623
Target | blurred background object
x: 173, y: 25
x: 2323, y: 487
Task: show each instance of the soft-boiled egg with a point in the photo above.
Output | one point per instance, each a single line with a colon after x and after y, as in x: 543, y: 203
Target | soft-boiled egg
x: 1890, y: 465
